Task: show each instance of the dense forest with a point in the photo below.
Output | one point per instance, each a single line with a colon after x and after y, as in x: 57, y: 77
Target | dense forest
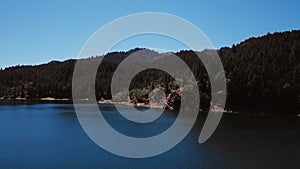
x: 263, y: 75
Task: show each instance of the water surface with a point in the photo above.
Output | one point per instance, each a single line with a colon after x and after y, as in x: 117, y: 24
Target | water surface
x: 50, y: 136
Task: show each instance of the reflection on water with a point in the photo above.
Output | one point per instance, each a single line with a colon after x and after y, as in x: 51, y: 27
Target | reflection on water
x: 50, y: 136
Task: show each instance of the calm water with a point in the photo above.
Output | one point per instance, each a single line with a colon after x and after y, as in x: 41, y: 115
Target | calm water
x: 50, y: 136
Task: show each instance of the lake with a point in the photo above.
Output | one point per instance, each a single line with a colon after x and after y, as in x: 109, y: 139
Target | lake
x: 50, y: 136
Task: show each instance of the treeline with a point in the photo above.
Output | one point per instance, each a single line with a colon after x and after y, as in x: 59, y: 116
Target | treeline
x: 263, y: 74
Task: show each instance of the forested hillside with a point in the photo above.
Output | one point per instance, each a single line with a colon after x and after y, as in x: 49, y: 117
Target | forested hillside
x: 263, y: 74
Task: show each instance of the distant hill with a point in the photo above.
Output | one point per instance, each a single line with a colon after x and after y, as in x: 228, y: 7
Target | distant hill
x: 263, y: 74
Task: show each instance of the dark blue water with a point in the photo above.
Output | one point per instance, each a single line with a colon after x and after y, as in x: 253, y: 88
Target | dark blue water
x: 50, y: 136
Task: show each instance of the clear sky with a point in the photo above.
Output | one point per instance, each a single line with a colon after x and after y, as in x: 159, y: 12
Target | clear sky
x: 34, y: 32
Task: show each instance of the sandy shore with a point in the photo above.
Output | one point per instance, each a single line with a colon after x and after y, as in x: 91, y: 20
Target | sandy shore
x: 44, y: 99
x: 150, y: 105
x: 54, y: 99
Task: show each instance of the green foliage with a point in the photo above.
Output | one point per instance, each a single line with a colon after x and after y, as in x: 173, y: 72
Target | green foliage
x: 139, y: 95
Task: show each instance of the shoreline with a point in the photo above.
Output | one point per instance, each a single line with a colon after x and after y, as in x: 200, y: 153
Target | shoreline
x: 143, y: 105
x: 151, y: 105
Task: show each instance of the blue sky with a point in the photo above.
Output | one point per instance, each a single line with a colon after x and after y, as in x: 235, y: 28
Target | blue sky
x: 34, y: 32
